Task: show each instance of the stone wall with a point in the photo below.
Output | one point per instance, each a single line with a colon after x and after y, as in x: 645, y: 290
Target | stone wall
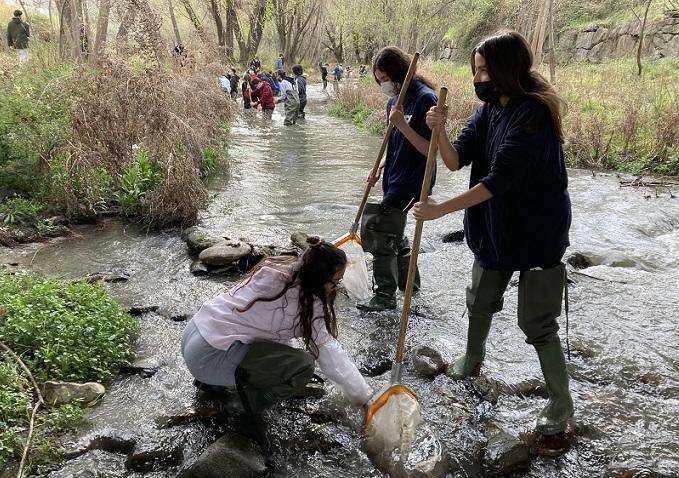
x: 599, y: 42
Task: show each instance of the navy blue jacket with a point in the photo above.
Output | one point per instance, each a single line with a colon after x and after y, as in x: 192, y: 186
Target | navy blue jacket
x: 525, y: 224
x: 404, y: 166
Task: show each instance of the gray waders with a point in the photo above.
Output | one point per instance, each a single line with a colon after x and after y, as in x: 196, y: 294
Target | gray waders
x: 270, y: 372
x: 291, y: 103
x: 382, y: 235
x: 540, y: 298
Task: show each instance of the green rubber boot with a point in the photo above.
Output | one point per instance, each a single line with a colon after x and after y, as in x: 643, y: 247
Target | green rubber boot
x: 384, y: 275
x: 403, y: 262
x: 470, y: 363
x: 554, y: 417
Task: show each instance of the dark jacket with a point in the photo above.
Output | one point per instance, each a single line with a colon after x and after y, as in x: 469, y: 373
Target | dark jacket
x: 515, y: 153
x: 233, y: 81
x: 404, y: 167
x: 18, y: 34
x: 301, y: 88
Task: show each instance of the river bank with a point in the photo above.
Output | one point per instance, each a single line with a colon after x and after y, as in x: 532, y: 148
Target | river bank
x: 613, y: 120
x: 310, y: 177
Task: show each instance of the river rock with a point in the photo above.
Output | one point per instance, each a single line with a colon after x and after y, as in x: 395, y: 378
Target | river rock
x: 114, y: 276
x: 617, y: 471
x: 138, y: 310
x: 455, y: 236
x: 108, y: 439
x: 232, y: 455
x: 299, y: 239
x: 199, y: 268
x: 505, y: 453
x: 427, y: 361
x: 579, y: 261
x: 152, y: 455
x: 225, y: 252
x: 144, y: 367
x: 198, y: 239
x: 60, y: 393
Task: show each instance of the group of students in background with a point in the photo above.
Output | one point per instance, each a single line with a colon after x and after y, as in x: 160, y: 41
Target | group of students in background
x: 263, y: 90
x: 338, y: 72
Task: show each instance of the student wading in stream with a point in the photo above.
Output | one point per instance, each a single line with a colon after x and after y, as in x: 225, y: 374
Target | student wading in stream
x: 240, y: 337
x: 517, y: 210
x: 402, y: 168
x: 289, y: 97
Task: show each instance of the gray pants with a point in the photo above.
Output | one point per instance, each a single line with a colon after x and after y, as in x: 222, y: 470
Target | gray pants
x: 291, y: 107
x: 540, y: 297
x: 267, y: 371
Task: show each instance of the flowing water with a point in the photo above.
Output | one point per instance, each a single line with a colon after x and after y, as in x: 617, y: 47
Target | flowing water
x: 623, y: 333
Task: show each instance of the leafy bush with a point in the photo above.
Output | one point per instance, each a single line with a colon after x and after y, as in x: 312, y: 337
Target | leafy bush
x: 64, y: 331
x: 138, y: 179
x: 14, y: 399
x: 21, y: 211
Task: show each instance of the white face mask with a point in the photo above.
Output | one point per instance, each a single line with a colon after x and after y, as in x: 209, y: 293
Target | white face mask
x: 388, y: 88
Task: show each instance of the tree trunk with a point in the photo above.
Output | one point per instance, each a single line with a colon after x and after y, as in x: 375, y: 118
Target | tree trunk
x: 102, y: 30
x: 214, y: 8
x: 123, y: 31
x: 641, y: 36
x: 175, y: 27
x: 539, y: 33
x: 247, y: 48
x: 229, y: 17
x: 552, y: 60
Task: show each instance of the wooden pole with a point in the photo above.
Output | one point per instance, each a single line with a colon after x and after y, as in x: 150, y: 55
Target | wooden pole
x: 415, y: 248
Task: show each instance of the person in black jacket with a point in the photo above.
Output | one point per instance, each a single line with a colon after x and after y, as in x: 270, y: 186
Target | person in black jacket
x: 517, y: 210
x: 301, y: 88
x: 402, y: 172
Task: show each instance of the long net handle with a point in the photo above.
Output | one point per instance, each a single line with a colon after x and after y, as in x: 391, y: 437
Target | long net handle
x: 387, y: 134
x: 415, y: 248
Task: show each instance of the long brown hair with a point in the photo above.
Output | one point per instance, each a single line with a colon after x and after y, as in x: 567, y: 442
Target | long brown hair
x: 394, y: 62
x: 315, y: 268
x: 509, y: 60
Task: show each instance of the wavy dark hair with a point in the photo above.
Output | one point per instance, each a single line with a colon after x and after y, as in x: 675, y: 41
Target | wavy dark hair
x: 509, y: 61
x: 395, y: 63
x: 316, y: 267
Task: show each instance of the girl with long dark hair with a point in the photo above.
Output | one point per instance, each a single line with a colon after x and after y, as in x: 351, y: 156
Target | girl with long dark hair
x: 240, y: 338
x: 402, y: 170
x: 517, y: 210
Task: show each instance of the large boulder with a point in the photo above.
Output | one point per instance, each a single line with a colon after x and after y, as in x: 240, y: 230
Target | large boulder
x: 60, y: 393
x: 198, y: 239
x: 232, y: 455
x: 225, y: 252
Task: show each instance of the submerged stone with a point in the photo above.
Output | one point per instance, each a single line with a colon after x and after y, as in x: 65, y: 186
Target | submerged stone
x: 232, y: 455
x: 504, y: 453
x: 147, y: 456
x: 428, y: 361
x: 455, y: 236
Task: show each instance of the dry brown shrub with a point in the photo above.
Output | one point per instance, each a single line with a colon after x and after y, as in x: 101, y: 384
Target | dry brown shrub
x: 667, y: 130
x: 172, y: 116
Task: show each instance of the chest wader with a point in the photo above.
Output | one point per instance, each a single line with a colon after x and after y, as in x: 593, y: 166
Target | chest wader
x: 540, y: 296
x: 382, y: 229
x: 291, y: 103
x: 270, y: 372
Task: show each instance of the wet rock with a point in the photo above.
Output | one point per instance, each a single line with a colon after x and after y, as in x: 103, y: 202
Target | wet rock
x: 550, y: 446
x: 144, y: 367
x: 487, y: 388
x: 579, y: 261
x: 109, y: 440
x: 201, y: 412
x: 113, y: 276
x: 427, y: 361
x: 455, y: 236
x: 527, y: 388
x: 505, y: 453
x: 232, y: 455
x: 147, y: 456
x: 57, y: 221
x: 142, y: 309
x: 225, y: 252
x: 221, y: 270
x: 198, y: 239
x: 178, y: 315
x: 60, y: 393
x: 325, y: 437
x: 299, y: 239
x: 198, y: 268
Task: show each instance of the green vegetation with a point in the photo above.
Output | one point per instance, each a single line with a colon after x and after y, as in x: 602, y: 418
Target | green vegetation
x: 62, y: 331
x: 613, y: 119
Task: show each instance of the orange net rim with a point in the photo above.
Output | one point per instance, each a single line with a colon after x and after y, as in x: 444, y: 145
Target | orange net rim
x: 382, y: 400
x: 346, y: 238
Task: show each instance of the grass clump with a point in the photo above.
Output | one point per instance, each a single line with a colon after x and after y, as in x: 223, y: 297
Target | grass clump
x: 62, y: 331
